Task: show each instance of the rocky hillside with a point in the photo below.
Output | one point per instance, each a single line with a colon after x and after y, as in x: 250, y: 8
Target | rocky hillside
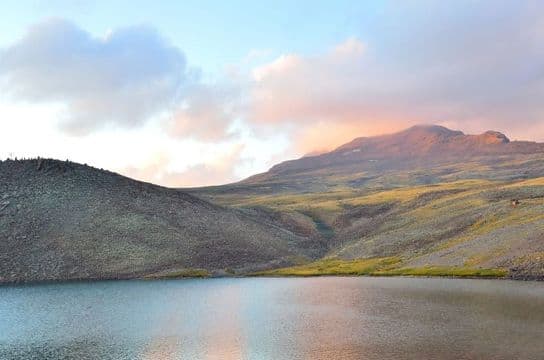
x: 62, y: 220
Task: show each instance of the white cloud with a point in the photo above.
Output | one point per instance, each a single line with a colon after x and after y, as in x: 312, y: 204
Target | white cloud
x: 280, y: 65
x: 121, y: 79
x: 206, y: 113
x: 161, y: 169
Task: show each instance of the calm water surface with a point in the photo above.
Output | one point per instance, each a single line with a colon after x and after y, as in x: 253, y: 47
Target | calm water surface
x: 259, y: 318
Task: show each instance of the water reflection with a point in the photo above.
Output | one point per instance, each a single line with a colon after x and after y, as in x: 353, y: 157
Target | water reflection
x: 319, y: 318
x: 224, y: 338
x: 202, y: 330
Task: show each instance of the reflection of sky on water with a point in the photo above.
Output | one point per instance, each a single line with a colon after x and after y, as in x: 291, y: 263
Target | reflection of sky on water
x: 318, y: 318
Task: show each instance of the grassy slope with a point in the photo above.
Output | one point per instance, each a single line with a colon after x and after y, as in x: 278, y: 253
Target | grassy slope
x: 336, y: 267
x: 179, y: 274
x: 464, y: 227
x: 390, y: 266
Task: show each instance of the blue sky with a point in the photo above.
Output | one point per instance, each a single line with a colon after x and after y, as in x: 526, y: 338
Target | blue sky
x: 186, y: 93
x: 211, y: 33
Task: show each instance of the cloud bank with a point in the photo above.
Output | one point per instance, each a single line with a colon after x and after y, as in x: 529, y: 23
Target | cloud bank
x: 474, y: 67
x: 206, y: 113
x: 123, y: 78
x: 219, y: 171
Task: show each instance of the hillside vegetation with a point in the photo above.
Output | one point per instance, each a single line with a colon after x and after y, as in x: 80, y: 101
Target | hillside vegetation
x: 441, y: 213
x: 468, y: 224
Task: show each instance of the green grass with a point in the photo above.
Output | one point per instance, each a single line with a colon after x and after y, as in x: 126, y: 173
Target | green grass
x: 387, y: 266
x: 452, y: 271
x: 334, y: 267
x: 180, y: 274
x: 432, y: 218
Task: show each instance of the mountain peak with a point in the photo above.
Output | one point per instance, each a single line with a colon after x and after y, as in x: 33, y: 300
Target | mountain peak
x: 431, y: 129
x: 493, y: 137
x: 418, y: 136
x: 420, y: 131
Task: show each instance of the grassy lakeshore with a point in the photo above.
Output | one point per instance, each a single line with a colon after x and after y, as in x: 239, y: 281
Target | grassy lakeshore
x: 388, y: 266
x: 179, y: 274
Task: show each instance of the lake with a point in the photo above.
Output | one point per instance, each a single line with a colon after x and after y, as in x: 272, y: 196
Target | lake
x: 274, y: 318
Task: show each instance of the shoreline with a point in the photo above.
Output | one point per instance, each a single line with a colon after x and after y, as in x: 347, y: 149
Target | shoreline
x: 269, y: 276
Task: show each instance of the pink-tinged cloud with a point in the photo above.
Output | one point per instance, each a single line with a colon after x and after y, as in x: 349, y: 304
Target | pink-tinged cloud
x: 206, y: 113
x: 297, y: 89
x: 469, y: 72
x: 325, y: 98
x: 321, y: 137
x: 159, y: 170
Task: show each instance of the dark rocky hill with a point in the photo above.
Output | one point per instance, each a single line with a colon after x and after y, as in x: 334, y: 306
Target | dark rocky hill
x: 61, y: 220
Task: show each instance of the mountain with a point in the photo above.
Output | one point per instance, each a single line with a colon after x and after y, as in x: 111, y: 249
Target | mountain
x: 61, y: 220
x: 422, y: 146
x: 425, y: 201
x: 428, y: 195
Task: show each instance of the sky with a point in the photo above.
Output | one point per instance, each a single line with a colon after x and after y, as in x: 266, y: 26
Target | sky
x: 193, y: 93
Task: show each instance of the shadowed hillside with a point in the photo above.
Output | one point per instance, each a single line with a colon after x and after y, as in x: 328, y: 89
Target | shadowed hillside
x: 62, y: 220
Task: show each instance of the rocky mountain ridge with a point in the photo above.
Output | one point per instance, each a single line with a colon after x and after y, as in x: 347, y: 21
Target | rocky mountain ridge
x: 424, y: 144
